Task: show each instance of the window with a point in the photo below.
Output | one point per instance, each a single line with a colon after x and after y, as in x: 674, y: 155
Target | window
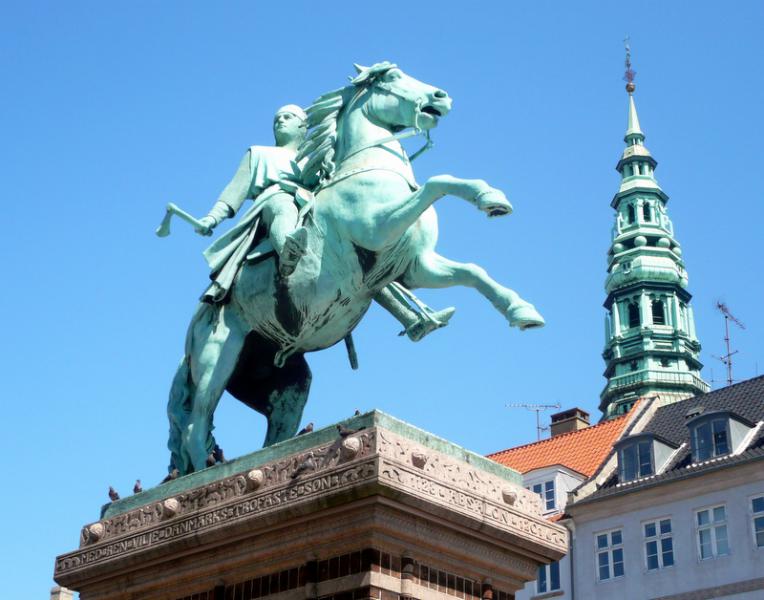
x: 659, y: 314
x: 633, y: 314
x: 757, y: 508
x: 546, y: 491
x: 548, y: 579
x: 609, y: 555
x: 709, y: 439
x: 712, y: 532
x: 646, y: 212
x: 632, y: 214
x: 659, y: 544
x: 636, y: 460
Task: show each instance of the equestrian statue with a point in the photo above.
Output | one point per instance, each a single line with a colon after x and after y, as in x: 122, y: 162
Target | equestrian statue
x: 337, y: 221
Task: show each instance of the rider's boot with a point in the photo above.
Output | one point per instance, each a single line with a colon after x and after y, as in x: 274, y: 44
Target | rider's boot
x: 295, y: 246
x: 523, y: 315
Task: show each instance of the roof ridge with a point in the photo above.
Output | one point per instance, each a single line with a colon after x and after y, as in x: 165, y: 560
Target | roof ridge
x: 560, y: 436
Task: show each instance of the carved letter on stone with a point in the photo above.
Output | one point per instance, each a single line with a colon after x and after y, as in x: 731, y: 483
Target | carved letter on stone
x: 255, y: 479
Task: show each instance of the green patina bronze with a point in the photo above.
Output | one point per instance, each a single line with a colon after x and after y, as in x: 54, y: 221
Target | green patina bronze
x: 651, y: 346
x: 338, y: 220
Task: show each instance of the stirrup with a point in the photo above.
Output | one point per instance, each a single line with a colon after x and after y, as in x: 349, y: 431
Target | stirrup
x: 427, y: 322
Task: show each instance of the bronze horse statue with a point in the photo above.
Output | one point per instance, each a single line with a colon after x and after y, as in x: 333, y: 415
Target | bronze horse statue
x: 370, y: 225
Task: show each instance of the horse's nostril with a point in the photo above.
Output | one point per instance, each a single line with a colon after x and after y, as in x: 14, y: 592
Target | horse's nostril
x: 440, y: 94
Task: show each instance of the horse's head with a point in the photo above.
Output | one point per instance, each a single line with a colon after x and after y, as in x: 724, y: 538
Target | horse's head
x: 398, y: 101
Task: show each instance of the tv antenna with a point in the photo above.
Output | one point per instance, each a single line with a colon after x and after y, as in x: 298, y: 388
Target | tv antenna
x: 727, y: 358
x: 537, y: 408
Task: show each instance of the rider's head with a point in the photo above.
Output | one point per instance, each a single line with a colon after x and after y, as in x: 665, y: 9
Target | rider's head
x: 289, y: 125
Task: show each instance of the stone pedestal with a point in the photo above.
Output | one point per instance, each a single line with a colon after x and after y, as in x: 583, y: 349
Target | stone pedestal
x: 388, y: 512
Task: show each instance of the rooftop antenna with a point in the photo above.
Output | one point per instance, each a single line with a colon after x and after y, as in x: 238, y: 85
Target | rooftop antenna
x: 537, y: 408
x: 727, y: 358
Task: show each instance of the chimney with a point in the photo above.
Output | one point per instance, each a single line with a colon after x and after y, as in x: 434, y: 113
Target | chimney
x: 569, y: 420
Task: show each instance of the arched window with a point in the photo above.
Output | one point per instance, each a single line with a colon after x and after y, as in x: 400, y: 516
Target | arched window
x: 632, y: 215
x: 659, y: 313
x: 633, y: 314
x: 646, y: 212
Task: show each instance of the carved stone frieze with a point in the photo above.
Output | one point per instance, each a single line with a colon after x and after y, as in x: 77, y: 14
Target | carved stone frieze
x: 456, y: 473
x: 219, y: 492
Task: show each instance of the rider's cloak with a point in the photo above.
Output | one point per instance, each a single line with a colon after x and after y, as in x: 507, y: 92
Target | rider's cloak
x: 263, y: 172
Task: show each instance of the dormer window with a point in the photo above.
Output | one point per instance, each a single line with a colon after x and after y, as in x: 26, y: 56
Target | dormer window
x: 710, y: 438
x: 636, y: 460
x: 642, y: 455
x: 716, y: 433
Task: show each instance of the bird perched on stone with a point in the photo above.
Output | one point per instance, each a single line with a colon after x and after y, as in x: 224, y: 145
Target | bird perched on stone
x: 217, y: 452
x: 308, y: 464
x: 357, y: 412
x: 307, y: 429
x: 174, y: 474
x: 344, y: 431
x: 137, y: 488
x: 113, y: 495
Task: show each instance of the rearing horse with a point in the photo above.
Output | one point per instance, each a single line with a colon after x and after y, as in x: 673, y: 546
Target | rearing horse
x: 370, y: 225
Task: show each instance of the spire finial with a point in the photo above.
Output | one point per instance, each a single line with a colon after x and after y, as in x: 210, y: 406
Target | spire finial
x: 630, y: 73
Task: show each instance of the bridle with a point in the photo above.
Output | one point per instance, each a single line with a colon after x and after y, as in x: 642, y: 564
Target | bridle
x: 417, y: 130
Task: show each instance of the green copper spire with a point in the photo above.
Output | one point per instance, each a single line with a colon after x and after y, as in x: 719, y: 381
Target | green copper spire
x: 651, y: 346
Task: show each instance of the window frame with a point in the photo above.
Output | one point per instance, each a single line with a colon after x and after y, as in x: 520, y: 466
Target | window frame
x: 709, y: 420
x: 658, y: 539
x: 711, y: 526
x: 547, y: 570
x: 754, y: 515
x: 544, y: 493
x: 609, y: 550
x: 634, y: 445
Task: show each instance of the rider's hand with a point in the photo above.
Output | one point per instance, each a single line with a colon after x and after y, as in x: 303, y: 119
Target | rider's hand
x: 206, y: 225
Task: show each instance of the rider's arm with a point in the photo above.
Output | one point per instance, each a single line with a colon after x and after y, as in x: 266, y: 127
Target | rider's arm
x: 234, y: 194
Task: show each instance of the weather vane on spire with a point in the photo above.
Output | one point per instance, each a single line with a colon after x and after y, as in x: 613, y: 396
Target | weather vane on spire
x: 630, y: 73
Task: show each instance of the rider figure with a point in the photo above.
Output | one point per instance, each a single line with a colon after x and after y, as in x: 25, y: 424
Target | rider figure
x: 270, y: 176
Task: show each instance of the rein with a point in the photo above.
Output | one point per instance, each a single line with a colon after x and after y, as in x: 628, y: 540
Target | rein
x: 397, y: 136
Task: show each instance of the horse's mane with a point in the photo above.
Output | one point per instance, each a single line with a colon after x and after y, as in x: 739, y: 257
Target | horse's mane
x: 320, y: 144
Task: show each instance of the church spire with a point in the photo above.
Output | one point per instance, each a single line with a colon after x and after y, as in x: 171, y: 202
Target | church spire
x: 651, y: 346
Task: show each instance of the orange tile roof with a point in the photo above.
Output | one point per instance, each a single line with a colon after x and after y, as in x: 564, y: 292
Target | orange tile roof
x: 582, y: 451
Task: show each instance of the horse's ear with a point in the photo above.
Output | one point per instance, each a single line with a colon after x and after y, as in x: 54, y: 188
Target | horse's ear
x: 360, y: 69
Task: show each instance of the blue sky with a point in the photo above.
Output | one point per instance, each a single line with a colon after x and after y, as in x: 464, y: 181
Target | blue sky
x: 110, y: 110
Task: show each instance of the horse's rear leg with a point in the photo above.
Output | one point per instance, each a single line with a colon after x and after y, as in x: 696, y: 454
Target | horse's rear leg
x: 431, y: 270
x: 214, y: 351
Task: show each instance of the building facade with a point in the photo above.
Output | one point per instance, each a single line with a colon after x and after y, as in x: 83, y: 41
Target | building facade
x: 555, y: 467
x: 677, y: 511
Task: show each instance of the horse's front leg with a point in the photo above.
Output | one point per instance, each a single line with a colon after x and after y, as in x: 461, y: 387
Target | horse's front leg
x: 430, y: 270
x: 391, y: 221
x: 213, y: 352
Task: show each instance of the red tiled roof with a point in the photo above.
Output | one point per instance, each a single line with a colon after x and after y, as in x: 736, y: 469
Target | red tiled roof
x: 582, y: 451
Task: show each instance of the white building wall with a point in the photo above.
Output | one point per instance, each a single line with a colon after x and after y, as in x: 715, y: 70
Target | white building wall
x: 565, y: 481
x: 744, y: 563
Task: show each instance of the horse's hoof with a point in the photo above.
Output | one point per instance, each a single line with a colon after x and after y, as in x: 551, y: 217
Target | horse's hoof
x: 493, y: 202
x: 524, y: 315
